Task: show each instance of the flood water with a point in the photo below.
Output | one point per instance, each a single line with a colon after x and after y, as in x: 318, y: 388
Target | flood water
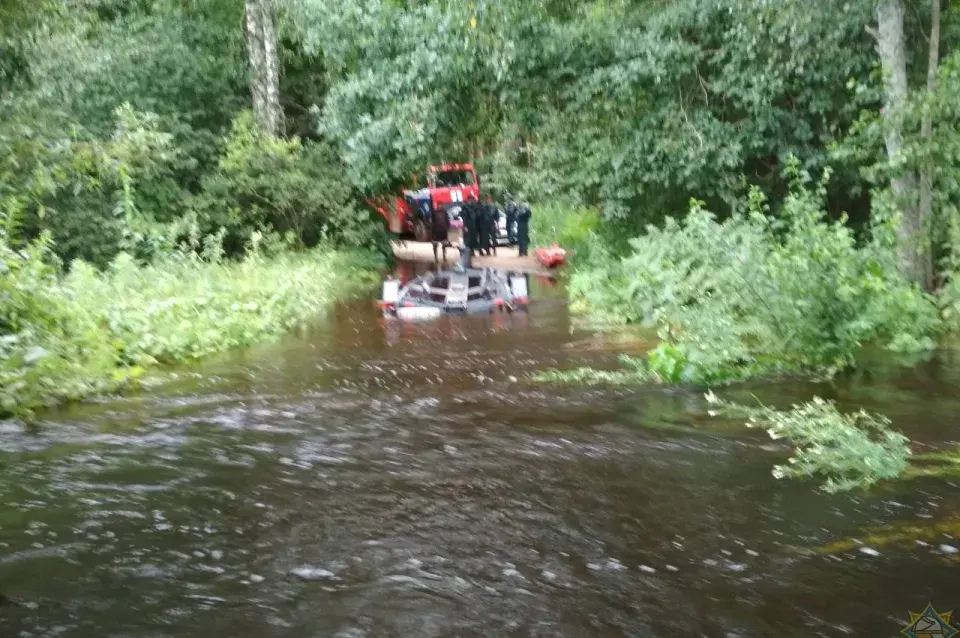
x: 363, y: 479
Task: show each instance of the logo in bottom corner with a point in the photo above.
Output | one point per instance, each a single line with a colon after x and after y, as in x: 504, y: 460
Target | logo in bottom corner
x: 930, y: 624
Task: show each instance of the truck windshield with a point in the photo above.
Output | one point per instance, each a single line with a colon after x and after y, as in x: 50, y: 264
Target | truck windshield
x: 453, y: 178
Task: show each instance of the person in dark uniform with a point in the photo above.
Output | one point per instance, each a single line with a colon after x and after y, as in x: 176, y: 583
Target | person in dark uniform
x: 439, y: 233
x: 483, y: 227
x: 511, y: 220
x: 468, y: 212
x: 493, y: 216
x: 523, y: 228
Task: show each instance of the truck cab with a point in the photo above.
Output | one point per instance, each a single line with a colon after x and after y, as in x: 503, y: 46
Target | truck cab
x: 443, y: 185
x: 451, y: 184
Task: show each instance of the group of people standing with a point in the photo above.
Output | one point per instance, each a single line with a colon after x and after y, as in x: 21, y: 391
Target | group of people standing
x: 480, y: 227
x: 518, y: 225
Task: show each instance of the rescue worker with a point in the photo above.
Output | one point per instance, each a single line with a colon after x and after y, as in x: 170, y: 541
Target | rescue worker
x: 468, y: 212
x: 483, y: 228
x: 511, y: 220
x: 523, y: 228
x: 439, y: 234
x: 493, y: 216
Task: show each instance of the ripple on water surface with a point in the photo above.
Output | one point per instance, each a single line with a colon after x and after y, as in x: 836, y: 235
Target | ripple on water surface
x: 363, y: 482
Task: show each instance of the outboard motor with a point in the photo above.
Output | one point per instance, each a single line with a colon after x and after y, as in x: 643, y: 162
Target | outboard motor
x: 391, y: 293
x: 465, y: 261
x: 518, y: 288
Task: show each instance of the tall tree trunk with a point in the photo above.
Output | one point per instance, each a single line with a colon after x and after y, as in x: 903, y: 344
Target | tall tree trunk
x: 925, y: 207
x: 275, y: 114
x: 892, y: 50
x: 264, y: 73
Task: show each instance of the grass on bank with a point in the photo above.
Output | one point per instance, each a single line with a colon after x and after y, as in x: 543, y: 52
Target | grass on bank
x: 67, y: 337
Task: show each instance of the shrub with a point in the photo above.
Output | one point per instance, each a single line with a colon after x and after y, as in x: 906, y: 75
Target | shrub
x: 64, y: 338
x: 48, y: 346
x: 754, y: 295
x: 284, y: 185
x: 87, y: 192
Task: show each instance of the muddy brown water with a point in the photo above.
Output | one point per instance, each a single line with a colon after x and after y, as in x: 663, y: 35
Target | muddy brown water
x: 366, y: 479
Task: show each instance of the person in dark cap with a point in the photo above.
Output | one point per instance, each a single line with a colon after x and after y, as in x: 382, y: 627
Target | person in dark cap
x: 523, y: 228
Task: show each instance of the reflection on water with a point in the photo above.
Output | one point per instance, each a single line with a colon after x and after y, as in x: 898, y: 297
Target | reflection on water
x: 370, y: 478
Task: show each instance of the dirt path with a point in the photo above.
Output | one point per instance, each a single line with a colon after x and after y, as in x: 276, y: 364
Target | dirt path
x: 506, y: 258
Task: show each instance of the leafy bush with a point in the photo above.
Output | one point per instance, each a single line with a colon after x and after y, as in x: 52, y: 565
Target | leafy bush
x: 49, y: 347
x: 85, y: 191
x: 949, y: 294
x: 63, y: 338
x: 284, y: 185
x: 846, y: 451
x: 753, y: 295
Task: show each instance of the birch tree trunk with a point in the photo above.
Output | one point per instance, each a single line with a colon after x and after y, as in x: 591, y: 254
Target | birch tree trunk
x: 264, y: 68
x: 892, y: 50
x: 925, y: 207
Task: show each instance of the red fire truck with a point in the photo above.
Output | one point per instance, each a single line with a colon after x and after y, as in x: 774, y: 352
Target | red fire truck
x: 444, y: 185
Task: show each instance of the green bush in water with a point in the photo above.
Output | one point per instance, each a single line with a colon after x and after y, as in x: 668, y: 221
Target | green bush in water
x: 846, y: 451
x: 756, y: 295
x: 50, y: 348
x: 66, y: 337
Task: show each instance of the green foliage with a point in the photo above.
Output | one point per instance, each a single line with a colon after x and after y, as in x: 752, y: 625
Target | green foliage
x: 85, y: 191
x: 755, y: 295
x: 845, y: 451
x: 634, y: 371
x: 632, y: 108
x: 562, y: 222
x: 49, y: 347
x: 285, y: 185
x: 183, y: 67
x: 949, y: 294
x: 405, y: 84
x: 64, y: 338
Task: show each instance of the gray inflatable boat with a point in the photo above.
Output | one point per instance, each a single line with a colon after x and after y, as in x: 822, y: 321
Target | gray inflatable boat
x: 465, y: 291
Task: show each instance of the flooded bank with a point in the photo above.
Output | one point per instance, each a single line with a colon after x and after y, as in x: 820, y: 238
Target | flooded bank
x: 373, y: 478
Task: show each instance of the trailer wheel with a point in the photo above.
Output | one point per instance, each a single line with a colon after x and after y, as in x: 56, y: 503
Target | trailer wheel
x: 420, y: 230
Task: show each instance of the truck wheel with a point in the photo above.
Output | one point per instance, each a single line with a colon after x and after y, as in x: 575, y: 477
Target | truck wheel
x: 420, y: 231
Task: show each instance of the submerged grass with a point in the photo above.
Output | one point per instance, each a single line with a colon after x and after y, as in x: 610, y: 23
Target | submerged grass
x: 902, y: 534
x: 67, y: 337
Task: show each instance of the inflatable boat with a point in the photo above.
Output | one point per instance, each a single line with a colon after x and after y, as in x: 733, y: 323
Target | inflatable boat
x: 465, y: 291
x: 552, y: 257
